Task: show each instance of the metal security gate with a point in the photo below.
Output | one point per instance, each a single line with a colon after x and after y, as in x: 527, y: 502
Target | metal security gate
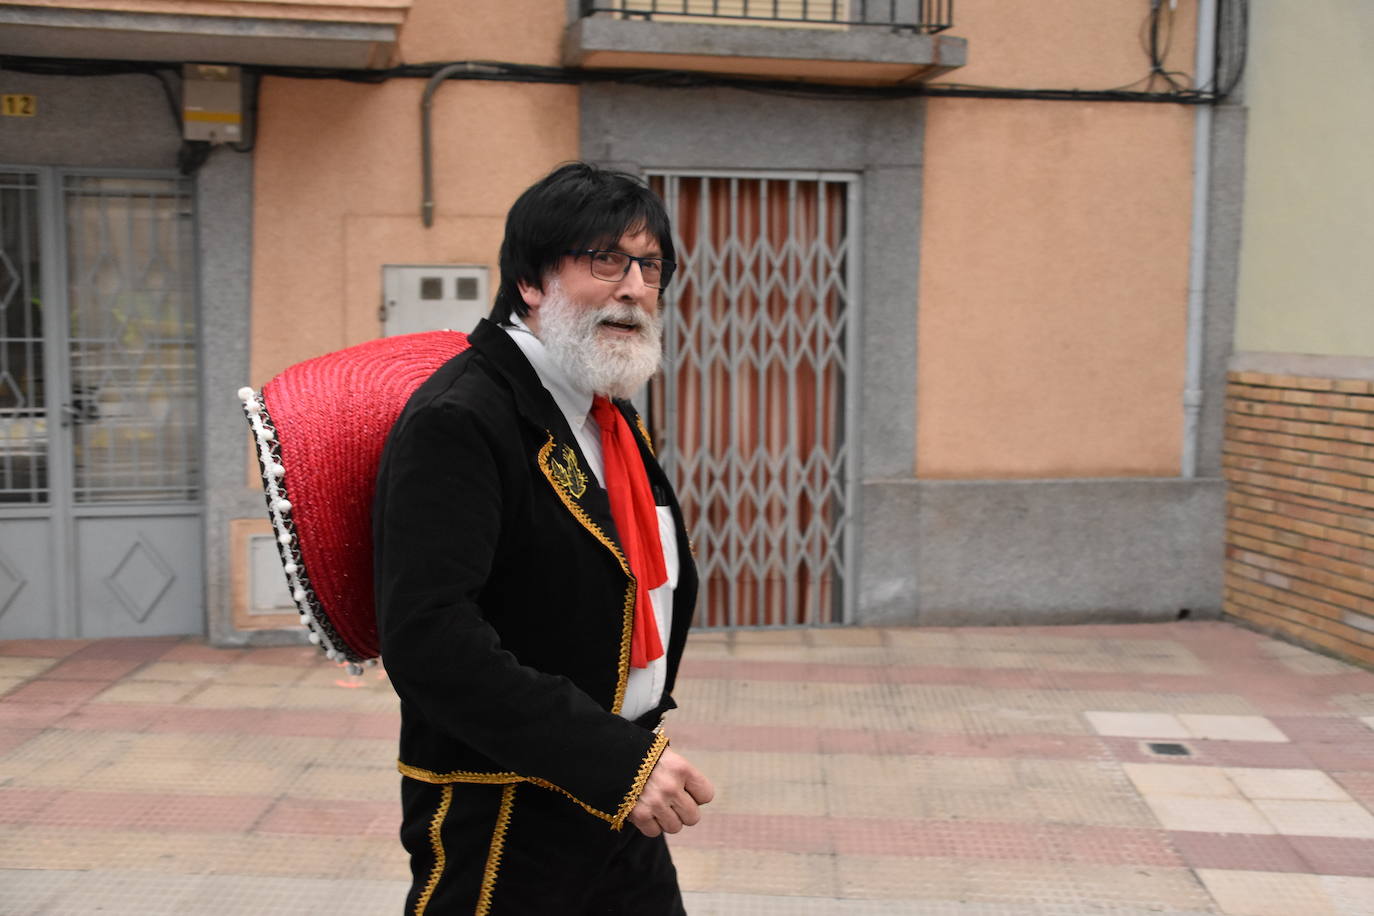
x: 755, y: 412
x: 99, y: 418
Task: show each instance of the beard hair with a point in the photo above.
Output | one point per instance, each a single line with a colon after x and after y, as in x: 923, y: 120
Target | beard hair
x: 612, y: 366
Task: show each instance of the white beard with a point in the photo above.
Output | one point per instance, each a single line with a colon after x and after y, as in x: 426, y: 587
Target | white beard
x: 612, y: 365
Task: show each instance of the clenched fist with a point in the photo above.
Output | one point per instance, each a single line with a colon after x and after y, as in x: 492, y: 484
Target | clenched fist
x: 672, y: 797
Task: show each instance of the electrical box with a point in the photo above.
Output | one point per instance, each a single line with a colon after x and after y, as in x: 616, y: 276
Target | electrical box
x: 211, y: 103
x: 433, y: 297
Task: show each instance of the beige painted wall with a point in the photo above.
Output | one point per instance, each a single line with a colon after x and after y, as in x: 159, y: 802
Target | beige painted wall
x: 1307, y: 255
x: 1064, y: 44
x: 337, y: 180
x: 1053, y: 292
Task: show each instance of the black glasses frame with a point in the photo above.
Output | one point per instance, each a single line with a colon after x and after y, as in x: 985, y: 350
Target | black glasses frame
x: 665, y: 266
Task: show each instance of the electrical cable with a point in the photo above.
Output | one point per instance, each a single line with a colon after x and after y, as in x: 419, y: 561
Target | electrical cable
x: 1156, y: 40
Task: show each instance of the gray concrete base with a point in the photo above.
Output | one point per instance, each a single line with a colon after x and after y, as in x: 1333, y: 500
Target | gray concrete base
x: 991, y: 552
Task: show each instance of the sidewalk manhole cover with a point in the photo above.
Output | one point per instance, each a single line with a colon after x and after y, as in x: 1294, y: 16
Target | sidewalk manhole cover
x: 1168, y: 749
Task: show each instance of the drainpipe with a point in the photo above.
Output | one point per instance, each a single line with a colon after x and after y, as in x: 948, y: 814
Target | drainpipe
x: 426, y: 138
x: 1205, y: 69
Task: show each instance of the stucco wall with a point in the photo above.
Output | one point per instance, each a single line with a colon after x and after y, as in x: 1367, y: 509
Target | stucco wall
x: 1307, y: 278
x: 1053, y: 295
x: 337, y: 195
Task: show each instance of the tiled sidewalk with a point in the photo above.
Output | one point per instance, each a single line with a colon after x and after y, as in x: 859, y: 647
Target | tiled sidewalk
x: 956, y: 772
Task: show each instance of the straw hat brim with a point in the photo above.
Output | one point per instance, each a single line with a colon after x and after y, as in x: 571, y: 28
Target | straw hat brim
x: 319, y: 428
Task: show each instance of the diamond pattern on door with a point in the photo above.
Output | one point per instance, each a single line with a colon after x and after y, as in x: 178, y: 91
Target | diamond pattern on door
x: 140, y: 579
x: 752, y: 410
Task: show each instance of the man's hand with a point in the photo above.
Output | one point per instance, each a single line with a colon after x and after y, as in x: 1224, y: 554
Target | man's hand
x: 671, y: 797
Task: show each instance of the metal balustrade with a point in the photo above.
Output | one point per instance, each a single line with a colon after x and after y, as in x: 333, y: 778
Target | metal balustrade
x: 919, y: 16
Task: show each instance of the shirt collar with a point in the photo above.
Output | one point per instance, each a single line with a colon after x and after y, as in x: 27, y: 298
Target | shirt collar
x: 572, y: 399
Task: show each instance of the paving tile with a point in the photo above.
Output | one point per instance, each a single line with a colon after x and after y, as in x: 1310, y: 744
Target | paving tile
x: 1350, y: 896
x: 1238, y: 851
x: 1291, y: 784
x: 1172, y: 779
x: 24, y: 667
x: 1211, y: 815
x: 144, y: 648
x: 41, y: 648
x: 1318, y: 818
x: 48, y: 692
x: 91, y: 669
x: 801, y: 874
x: 1231, y: 728
x: 181, y: 672
x: 1368, y: 720
x: 160, y: 693
x: 1326, y: 855
x: 262, y: 675
x: 1137, y: 724
x: 1252, y: 893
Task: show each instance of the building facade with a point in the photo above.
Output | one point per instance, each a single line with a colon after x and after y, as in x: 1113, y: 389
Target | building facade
x: 949, y: 344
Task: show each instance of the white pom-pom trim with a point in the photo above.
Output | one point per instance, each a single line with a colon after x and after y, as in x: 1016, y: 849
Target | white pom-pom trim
x: 246, y: 393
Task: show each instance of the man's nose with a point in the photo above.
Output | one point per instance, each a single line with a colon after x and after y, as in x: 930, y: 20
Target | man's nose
x: 632, y: 285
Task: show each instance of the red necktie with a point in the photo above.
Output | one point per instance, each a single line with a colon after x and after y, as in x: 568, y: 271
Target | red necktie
x: 636, y: 519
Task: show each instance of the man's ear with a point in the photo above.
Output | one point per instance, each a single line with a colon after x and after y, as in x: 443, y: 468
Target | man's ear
x: 533, y: 295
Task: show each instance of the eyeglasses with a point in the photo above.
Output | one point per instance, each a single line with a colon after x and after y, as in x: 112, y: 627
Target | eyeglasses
x: 613, y: 266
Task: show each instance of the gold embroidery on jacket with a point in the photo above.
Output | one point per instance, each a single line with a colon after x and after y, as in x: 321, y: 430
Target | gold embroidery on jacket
x: 568, y: 476
x: 546, y: 464
x: 498, y: 840
x: 436, y: 840
x: 644, y: 431
x: 646, y: 767
x: 616, y: 820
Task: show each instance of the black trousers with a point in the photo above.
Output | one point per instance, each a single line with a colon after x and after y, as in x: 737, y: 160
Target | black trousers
x: 522, y: 850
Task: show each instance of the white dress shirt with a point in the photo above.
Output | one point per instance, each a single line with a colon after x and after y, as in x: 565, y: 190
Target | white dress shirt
x: 645, y: 687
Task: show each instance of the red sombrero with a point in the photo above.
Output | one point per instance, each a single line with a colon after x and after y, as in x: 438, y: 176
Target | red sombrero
x: 319, y: 427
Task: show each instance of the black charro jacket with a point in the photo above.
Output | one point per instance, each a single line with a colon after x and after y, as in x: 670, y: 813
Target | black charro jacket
x: 504, y: 600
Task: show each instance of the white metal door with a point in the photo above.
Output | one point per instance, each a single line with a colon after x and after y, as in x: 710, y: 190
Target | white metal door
x: 755, y: 410
x: 100, y: 449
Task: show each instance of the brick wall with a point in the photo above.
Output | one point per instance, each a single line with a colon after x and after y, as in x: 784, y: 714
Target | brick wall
x: 1299, y: 456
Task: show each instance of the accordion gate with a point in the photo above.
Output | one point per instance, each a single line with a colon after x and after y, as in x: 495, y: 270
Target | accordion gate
x: 755, y: 412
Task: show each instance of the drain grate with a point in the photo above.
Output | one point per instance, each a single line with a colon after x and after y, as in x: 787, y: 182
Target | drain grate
x: 1168, y: 749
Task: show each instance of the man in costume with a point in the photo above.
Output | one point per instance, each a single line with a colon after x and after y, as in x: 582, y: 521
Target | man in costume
x: 535, y: 583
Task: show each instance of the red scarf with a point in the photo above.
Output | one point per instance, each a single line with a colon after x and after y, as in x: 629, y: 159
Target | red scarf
x: 636, y: 519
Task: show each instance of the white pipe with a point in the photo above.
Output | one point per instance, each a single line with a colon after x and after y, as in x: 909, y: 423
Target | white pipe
x: 1205, y: 70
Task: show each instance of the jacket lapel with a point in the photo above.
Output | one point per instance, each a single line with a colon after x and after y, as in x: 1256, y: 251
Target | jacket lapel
x: 559, y: 457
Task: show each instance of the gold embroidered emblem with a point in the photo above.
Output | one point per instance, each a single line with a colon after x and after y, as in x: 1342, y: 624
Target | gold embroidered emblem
x: 568, y: 475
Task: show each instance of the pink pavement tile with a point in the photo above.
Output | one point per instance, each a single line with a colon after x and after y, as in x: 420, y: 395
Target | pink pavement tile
x: 709, y: 736
x: 145, y: 648
x: 376, y: 725
x: 1336, y: 855
x: 320, y: 724
x: 32, y: 715
x: 934, y: 839
x: 45, y: 692
x: 198, y: 652
x: 41, y: 648
x: 108, y: 717
x: 304, y: 656
x: 1341, y: 756
x: 19, y: 806
x: 1050, y: 747
x: 136, y: 811
x: 11, y: 738
x: 337, y: 818
x: 216, y: 721
x: 1359, y: 783
x: 90, y: 669
x: 1328, y: 729
x: 1237, y: 851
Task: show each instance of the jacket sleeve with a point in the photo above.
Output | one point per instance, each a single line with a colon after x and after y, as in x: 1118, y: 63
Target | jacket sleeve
x: 436, y: 525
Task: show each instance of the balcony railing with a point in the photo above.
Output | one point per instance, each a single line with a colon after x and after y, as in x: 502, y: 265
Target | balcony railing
x: 921, y: 16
